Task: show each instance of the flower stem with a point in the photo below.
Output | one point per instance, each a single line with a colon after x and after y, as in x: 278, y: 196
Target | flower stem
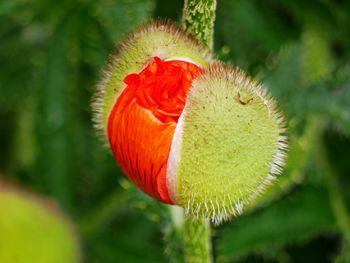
x: 198, y: 19
x: 197, y: 241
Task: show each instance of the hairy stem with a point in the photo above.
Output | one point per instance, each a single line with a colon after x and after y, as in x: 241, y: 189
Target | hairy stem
x: 197, y: 241
x: 198, y: 19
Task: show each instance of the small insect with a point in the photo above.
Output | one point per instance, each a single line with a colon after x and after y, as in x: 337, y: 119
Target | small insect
x: 238, y: 98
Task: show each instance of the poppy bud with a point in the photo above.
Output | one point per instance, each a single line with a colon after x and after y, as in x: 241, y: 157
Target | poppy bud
x: 205, y: 137
x: 34, y: 229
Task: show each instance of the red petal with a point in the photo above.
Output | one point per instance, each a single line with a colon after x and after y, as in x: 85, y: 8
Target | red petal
x: 141, y: 145
x: 143, y: 120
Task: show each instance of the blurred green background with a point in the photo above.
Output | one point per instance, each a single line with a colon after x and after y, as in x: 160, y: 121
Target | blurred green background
x: 51, y: 54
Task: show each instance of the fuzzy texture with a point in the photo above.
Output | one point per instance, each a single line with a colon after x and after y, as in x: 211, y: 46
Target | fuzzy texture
x: 232, y: 144
x: 161, y: 39
x: 198, y: 19
x: 197, y: 245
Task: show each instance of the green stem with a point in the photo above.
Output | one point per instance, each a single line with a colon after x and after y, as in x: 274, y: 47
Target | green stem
x: 197, y: 241
x: 198, y: 19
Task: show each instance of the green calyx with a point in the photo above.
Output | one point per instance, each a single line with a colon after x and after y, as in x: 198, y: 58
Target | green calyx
x: 232, y: 144
x: 154, y: 39
x: 33, y: 230
x: 229, y: 142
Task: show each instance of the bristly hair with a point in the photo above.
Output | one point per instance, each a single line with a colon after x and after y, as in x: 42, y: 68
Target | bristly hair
x: 216, y: 210
x: 98, y: 102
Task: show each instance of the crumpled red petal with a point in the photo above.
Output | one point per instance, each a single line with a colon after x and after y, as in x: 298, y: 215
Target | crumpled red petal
x: 143, y: 120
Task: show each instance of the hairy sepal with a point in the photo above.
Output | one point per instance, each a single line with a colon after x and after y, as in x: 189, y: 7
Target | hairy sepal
x: 228, y: 147
x: 161, y: 39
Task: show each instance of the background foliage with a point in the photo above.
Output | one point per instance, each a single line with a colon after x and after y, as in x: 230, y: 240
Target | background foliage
x: 51, y: 53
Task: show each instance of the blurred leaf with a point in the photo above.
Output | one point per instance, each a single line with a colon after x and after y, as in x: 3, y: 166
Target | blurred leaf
x: 15, y: 77
x: 300, y: 99
x: 54, y: 117
x: 338, y: 150
x: 316, y: 60
x: 251, y: 30
x: 134, y: 238
x: 295, y: 218
x: 313, y: 14
x: 132, y: 222
x: 344, y: 256
x: 119, y: 17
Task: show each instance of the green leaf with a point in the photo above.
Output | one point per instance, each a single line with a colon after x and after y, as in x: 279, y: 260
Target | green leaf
x: 251, y: 30
x: 119, y: 17
x: 344, y: 256
x: 54, y: 117
x: 295, y: 218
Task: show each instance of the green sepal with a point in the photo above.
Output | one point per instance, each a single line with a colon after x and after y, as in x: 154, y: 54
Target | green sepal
x: 232, y: 144
x: 162, y: 39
